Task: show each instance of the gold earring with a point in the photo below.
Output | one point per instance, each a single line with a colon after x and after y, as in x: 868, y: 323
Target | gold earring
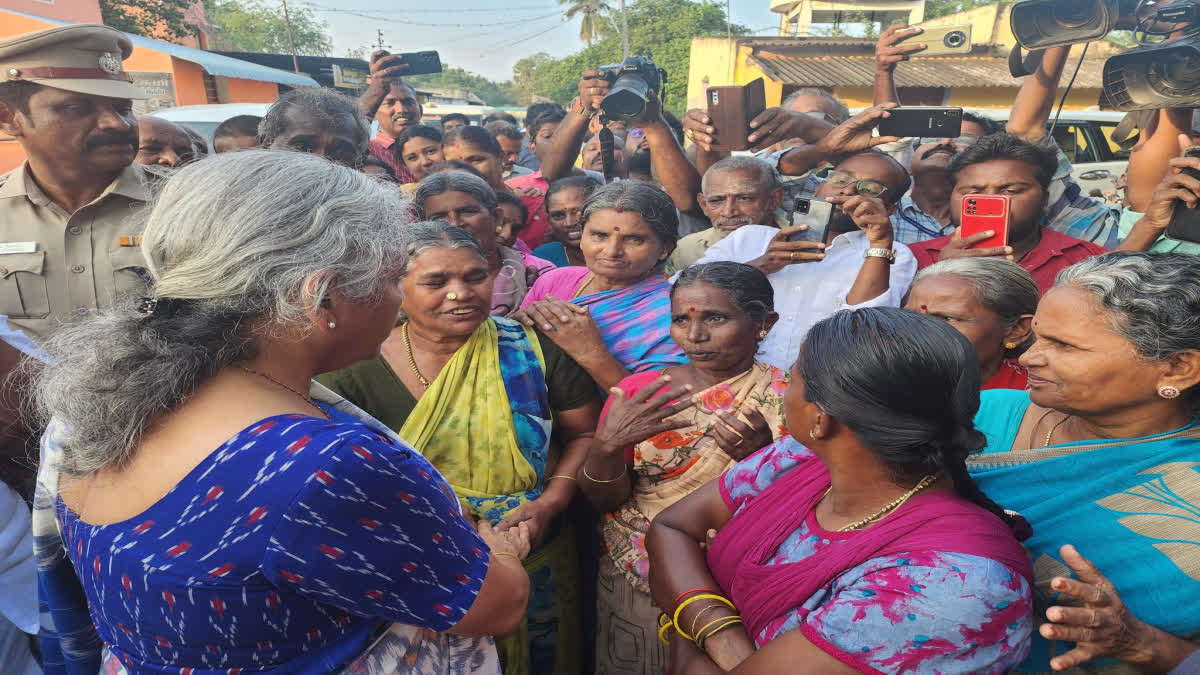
x: 812, y: 433
x: 1010, y: 345
x: 762, y: 334
x: 452, y: 296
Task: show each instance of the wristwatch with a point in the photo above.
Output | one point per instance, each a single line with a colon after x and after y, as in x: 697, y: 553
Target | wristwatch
x: 885, y: 253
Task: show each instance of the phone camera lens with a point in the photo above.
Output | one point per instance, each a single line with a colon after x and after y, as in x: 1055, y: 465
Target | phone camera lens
x: 955, y: 38
x: 971, y: 202
x: 802, y: 207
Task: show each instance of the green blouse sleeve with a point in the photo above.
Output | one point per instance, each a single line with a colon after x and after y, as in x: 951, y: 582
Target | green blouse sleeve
x: 372, y: 386
x: 569, y: 385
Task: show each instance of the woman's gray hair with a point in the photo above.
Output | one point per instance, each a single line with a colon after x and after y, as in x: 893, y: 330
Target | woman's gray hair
x: 453, y: 181
x: 1002, y: 286
x: 648, y: 201
x: 1152, y: 298
x: 238, y: 245
x: 429, y: 234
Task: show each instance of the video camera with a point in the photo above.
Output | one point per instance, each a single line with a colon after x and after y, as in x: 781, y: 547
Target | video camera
x: 1156, y: 74
x: 630, y: 79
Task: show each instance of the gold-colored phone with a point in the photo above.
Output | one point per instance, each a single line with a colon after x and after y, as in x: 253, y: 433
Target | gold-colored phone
x: 942, y: 40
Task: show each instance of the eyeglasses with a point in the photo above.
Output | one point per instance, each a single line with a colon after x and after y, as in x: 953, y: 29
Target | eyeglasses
x: 871, y: 188
x: 636, y: 133
x: 964, y: 141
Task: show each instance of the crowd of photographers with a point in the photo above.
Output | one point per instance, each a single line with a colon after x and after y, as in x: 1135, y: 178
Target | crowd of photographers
x: 673, y: 327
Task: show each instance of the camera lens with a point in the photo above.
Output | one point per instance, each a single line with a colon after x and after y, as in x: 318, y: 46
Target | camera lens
x: 802, y: 206
x: 1072, y: 13
x: 1176, y: 74
x: 955, y: 38
x: 971, y: 202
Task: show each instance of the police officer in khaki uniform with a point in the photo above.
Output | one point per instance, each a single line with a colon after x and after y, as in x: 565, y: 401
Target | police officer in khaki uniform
x: 69, y: 215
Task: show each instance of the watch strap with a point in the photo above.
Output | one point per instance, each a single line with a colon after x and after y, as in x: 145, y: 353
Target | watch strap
x: 885, y: 253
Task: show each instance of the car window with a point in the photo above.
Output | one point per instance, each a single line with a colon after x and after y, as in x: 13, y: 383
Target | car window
x: 1118, y: 153
x: 1075, y: 143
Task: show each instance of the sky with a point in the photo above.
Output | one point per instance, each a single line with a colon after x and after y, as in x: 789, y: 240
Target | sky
x: 483, y: 36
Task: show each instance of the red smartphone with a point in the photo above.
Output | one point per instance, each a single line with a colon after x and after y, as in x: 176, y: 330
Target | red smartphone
x: 981, y: 213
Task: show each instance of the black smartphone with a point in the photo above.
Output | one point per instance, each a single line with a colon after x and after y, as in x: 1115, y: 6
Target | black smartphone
x: 1185, y: 223
x: 814, y: 213
x: 922, y: 122
x: 421, y: 63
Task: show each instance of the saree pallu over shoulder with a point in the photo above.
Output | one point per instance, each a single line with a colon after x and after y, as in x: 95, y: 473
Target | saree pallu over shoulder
x: 636, y: 324
x: 1131, y: 506
x: 673, y: 464
x: 485, y: 421
x: 928, y: 522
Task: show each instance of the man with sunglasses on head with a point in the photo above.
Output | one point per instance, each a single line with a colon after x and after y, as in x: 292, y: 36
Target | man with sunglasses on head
x: 924, y: 213
x: 857, y: 263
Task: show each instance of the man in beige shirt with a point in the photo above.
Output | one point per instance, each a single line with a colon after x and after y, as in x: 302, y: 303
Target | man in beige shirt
x: 69, y: 215
x: 735, y: 191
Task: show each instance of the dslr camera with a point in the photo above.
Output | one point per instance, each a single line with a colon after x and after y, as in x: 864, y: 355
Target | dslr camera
x: 1159, y: 73
x: 630, y: 79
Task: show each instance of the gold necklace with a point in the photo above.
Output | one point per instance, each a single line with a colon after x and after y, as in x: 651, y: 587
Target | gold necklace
x: 1050, y: 433
x: 412, y: 362
x: 586, y: 282
x: 307, y: 399
x: 895, y: 504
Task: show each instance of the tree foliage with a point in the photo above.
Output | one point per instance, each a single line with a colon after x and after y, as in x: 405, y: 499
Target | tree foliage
x: 936, y: 8
x: 256, y: 26
x: 593, y: 13
x: 162, y: 19
x: 492, y: 93
x: 660, y: 29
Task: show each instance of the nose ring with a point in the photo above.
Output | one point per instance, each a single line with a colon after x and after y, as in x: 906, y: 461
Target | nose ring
x: 452, y: 296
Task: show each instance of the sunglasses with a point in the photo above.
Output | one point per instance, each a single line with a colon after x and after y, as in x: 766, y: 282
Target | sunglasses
x: 964, y: 141
x: 636, y: 133
x: 871, y: 188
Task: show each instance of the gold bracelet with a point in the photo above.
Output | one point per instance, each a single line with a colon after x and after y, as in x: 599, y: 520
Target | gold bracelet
x: 624, y: 470
x: 562, y: 475
x: 706, y: 610
x: 513, y: 555
x: 728, y: 622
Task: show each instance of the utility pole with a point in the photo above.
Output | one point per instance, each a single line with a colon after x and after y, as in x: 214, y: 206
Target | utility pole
x: 291, y: 39
x: 624, y: 31
x: 728, y: 22
x: 379, y: 37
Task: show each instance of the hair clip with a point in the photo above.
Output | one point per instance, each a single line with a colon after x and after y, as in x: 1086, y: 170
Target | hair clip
x: 146, y: 305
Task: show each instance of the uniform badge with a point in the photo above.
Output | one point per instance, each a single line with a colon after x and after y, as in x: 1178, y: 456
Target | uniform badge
x: 110, y: 64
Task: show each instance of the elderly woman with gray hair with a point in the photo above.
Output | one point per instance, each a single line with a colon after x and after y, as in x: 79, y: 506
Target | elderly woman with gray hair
x: 489, y: 402
x: 1102, y: 454
x: 213, y: 508
x: 990, y: 301
x: 467, y: 201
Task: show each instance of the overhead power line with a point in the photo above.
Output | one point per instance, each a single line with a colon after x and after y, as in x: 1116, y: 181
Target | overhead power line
x: 388, y: 19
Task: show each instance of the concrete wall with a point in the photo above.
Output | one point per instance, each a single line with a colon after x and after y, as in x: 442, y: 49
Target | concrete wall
x: 75, y: 11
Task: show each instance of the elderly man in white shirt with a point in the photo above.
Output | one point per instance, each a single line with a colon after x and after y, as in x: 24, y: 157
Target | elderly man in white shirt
x: 858, y: 265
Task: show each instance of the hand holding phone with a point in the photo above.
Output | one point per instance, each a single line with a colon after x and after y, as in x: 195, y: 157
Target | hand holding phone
x: 979, y: 215
x: 922, y: 121
x: 1185, y: 220
x: 814, y: 213
x: 731, y: 109
x: 939, y: 40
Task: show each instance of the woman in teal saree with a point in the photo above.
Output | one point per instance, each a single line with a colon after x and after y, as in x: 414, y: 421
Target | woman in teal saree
x: 1102, y: 456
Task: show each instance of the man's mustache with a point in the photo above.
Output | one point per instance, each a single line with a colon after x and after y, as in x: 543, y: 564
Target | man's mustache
x: 111, y: 139
x: 938, y: 148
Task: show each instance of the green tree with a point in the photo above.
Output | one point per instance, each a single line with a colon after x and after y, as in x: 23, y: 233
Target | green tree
x: 256, y: 26
x: 660, y: 29
x: 936, y: 8
x: 592, y: 12
x: 492, y: 93
x: 164, y: 19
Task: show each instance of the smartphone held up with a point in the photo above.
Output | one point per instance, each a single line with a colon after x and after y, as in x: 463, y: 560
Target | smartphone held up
x: 983, y: 213
x: 1185, y: 222
x: 814, y: 213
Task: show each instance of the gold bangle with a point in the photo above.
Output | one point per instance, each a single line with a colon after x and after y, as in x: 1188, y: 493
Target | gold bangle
x: 728, y: 622
x: 701, y: 613
x: 685, y: 603
x: 624, y: 470
x: 562, y: 475
x: 513, y: 555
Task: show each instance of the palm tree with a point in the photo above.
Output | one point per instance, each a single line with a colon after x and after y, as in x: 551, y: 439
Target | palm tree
x: 591, y: 10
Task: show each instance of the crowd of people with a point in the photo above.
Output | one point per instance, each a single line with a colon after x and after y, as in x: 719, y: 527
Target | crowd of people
x: 339, y: 391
